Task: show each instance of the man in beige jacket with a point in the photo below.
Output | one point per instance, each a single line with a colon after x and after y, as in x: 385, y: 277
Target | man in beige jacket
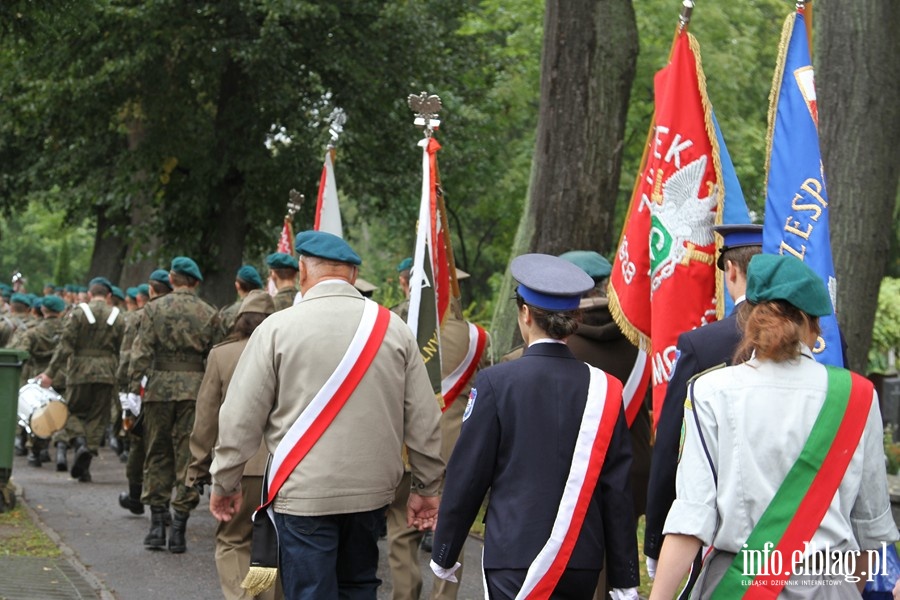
x: 328, y: 508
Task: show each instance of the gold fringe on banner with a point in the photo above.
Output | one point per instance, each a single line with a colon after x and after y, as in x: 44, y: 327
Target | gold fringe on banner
x: 259, y: 579
x: 630, y: 331
x: 777, y: 78
x: 717, y: 165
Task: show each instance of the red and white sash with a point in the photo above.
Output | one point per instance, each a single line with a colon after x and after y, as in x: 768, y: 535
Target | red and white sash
x: 636, y: 386
x: 597, y: 424
x: 326, y: 404
x: 452, y: 384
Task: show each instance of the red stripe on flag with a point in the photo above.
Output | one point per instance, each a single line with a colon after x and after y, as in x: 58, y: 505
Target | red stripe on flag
x: 335, y: 404
x: 634, y: 405
x: 544, y: 588
x: 453, y: 394
x: 322, y: 182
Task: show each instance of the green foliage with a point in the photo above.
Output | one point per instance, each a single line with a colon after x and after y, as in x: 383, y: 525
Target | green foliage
x: 33, y: 242
x: 886, y: 330
x: 891, y: 451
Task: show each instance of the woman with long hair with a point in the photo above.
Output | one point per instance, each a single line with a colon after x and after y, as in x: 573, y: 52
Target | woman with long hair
x: 782, y: 464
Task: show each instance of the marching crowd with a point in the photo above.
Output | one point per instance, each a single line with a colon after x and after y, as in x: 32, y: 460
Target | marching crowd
x: 314, y: 403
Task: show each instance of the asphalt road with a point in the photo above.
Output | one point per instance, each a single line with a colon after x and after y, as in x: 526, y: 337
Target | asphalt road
x: 108, y: 540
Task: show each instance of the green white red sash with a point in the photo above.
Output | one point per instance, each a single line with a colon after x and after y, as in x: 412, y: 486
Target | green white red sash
x: 597, y: 424
x: 800, y: 503
x: 452, y: 384
x: 327, y: 403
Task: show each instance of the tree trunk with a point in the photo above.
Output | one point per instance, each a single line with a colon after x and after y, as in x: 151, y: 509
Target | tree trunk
x: 587, y: 68
x: 857, y: 82
x: 228, y: 215
x: 109, y: 250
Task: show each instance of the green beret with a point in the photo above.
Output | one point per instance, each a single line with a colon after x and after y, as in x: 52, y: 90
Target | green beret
x: 162, y: 276
x: 101, y: 281
x: 405, y: 264
x: 144, y: 289
x: 327, y: 246
x: 69, y: 287
x: 590, y: 262
x: 249, y: 275
x: 54, y: 304
x: 131, y: 292
x: 778, y: 277
x: 81, y: 289
x: 280, y: 260
x: 186, y: 266
x: 36, y: 302
x: 49, y: 284
x: 20, y: 298
x: 118, y: 293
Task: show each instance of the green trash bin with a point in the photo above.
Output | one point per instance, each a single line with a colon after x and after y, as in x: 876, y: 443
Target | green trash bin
x: 11, y: 362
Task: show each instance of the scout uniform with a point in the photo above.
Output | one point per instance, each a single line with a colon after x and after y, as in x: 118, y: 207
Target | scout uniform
x: 175, y: 335
x: 761, y: 456
x: 246, y: 279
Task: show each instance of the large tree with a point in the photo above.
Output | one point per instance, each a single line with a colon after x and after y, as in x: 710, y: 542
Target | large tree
x: 587, y: 67
x: 858, y: 81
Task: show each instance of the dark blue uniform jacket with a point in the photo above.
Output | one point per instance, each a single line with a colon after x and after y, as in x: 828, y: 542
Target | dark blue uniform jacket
x: 518, y: 439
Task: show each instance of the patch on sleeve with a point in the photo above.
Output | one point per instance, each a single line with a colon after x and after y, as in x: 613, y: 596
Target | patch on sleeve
x: 472, y: 395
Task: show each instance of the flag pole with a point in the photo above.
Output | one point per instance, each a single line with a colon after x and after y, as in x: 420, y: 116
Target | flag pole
x: 805, y: 7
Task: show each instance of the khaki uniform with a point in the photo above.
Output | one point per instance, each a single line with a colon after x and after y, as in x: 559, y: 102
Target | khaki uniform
x: 11, y: 324
x: 88, y: 352
x: 403, y: 541
x: 233, y: 537
x: 285, y: 297
x: 41, y: 342
x: 175, y: 335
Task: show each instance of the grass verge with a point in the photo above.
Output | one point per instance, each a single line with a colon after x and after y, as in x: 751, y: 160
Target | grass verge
x: 20, y: 536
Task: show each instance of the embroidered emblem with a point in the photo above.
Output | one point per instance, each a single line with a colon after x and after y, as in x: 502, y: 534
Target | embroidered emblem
x: 471, y: 404
x: 681, y: 222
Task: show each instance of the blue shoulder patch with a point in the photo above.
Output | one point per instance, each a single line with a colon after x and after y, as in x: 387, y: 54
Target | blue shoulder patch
x: 472, y: 395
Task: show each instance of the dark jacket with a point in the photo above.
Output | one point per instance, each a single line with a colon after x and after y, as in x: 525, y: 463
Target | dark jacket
x: 517, y: 439
x: 698, y: 350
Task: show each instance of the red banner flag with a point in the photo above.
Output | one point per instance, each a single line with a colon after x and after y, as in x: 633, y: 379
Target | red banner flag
x: 664, y: 276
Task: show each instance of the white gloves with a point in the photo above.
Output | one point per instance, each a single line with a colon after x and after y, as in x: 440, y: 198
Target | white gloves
x: 448, y: 574
x: 651, y: 568
x: 625, y: 594
x: 130, y: 402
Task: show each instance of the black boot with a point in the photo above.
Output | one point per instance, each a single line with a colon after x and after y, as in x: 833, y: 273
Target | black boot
x: 131, y: 500
x: 156, y: 539
x: 82, y: 461
x: 176, y: 539
x: 45, y: 455
x: 19, y: 445
x: 34, y: 459
x: 62, y: 463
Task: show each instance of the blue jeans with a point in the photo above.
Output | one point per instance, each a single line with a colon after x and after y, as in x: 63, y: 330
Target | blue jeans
x: 330, y: 556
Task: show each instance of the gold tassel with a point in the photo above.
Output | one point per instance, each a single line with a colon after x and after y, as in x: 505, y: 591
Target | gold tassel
x: 259, y: 579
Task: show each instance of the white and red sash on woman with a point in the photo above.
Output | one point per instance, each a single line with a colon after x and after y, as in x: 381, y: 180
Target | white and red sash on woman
x: 452, y: 384
x: 597, y: 424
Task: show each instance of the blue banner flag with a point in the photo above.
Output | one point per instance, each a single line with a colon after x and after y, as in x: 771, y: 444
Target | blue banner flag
x: 734, y: 207
x: 796, y: 221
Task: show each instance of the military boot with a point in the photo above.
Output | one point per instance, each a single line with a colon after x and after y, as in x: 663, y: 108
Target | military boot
x: 34, y: 458
x: 156, y: 539
x: 82, y: 461
x: 176, y: 539
x: 131, y: 500
x: 20, y: 445
x: 62, y: 462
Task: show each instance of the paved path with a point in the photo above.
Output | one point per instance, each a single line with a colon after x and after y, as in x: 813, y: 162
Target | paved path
x: 103, y: 544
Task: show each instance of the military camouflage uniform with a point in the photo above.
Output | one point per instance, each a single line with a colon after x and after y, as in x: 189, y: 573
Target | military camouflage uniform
x: 225, y: 320
x: 13, y: 326
x: 132, y: 320
x: 41, y: 342
x: 285, y: 297
x: 89, y: 355
x: 173, y: 339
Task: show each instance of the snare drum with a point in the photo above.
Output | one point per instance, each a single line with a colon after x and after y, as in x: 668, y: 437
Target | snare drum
x: 41, y: 411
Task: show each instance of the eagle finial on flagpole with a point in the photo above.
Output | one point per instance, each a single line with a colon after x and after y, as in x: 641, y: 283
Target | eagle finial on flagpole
x: 336, y: 121
x: 426, y: 107
x: 294, y: 204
